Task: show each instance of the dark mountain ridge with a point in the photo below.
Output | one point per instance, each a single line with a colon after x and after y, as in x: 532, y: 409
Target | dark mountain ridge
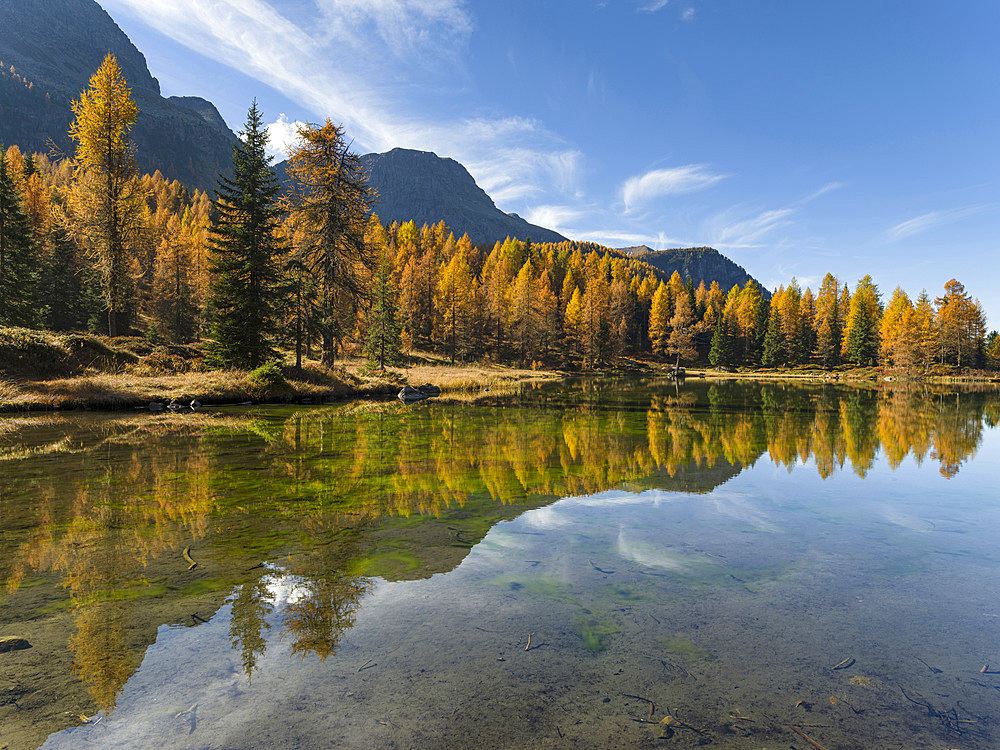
x: 700, y: 263
x: 54, y: 47
x: 427, y: 188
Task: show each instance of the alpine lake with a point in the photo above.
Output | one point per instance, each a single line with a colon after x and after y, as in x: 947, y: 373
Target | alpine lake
x: 594, y: 563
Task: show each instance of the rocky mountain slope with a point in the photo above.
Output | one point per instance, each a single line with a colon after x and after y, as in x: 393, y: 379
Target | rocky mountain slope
x: 700, y: 263
x: 51, y: 48
x: 422, y: 186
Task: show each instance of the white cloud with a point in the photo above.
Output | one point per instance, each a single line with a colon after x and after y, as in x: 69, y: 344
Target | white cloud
x: 641, y: 189
x: 651, y: 6
x: 724, y: 230
x: 735, y: 228
x: 553, y: 217
x: 360, y: 62
x: 930, y: 220
x: 509, y: 173
x: 281, y: 134
x: 828, y: 187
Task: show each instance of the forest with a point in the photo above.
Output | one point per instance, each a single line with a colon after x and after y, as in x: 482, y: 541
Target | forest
x: 263, y: 271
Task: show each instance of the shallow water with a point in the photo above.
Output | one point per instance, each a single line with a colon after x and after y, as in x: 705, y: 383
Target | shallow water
x: 370, y: 576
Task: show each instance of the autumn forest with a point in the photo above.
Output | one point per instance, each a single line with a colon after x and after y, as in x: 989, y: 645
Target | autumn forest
x: 264, y: 270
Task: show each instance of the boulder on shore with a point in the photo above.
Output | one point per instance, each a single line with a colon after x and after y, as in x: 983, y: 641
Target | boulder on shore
x: 13, y: 643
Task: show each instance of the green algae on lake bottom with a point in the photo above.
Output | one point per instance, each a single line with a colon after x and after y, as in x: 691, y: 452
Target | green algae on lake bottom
x: 718, y: 548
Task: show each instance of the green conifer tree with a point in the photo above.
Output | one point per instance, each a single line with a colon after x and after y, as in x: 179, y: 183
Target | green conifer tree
x: 18, y: 256
x: 383, y: 343
x: 246, y: 293
x: 761, y: 319
x: 774, y: 351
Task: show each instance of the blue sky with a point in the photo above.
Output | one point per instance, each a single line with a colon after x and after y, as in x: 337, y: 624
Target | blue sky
x: 795, y: 137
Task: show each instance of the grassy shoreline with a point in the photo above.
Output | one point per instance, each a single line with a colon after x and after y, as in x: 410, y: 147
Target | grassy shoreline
x: 853, y: 375
x: 110, y: 391
x: 42, y: 371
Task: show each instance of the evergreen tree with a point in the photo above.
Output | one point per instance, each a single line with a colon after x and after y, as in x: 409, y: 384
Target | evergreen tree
x: 67, y: 289
x: 774, y: 351
x: 827, y: 322
x: 245, y: 248
x: 383, y: 343
x: 18, y: 256
x: 861, y: 333
x: 722, y: 352
x: 761, y: 320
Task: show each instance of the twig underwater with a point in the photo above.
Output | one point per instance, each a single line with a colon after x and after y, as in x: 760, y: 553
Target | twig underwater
x: 806, y: 737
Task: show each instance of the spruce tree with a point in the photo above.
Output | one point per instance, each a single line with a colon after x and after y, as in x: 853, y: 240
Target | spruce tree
x: 720, y: 354
x: 383, y: 343
x: 774, y: 351
x: 69, y: 289
x: 246, y: 293
x: 761, y: 319
x: 18, y: 256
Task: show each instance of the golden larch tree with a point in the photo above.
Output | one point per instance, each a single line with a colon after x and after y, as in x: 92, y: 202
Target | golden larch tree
x: 107, y: 192
x: 333, y: 199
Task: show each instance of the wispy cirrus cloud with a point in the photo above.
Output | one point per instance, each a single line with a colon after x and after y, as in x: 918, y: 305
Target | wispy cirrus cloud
x: 726, y: 231
x: 370, y: 64
x: 639, y: 190
x: 739, y: 227
x: 930, y: 220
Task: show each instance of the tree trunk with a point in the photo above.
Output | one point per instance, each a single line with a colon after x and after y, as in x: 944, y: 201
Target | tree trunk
x: 329, y: 348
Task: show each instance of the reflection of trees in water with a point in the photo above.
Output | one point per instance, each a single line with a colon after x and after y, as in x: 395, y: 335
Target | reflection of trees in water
x: 322, y: 609
x: 101, y: 654
x: 102, y: 514
x: 320, y: 606
x: 250, y: 606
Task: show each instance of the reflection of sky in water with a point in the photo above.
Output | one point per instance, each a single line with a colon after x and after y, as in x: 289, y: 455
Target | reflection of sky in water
x: 821, y: 567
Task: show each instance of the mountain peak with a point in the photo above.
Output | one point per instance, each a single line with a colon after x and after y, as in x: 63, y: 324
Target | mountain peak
x: 427, y: 188
x: 57, y: 45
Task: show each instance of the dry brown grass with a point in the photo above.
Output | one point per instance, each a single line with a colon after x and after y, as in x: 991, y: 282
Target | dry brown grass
x: 135, y: 386
x: 451, y: 378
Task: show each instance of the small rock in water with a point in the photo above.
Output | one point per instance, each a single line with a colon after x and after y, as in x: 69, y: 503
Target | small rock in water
x: 13, y: 643
x: 175, y: 405
x: 155, y: 406
x: 409, y: 393
x: 195, y: 403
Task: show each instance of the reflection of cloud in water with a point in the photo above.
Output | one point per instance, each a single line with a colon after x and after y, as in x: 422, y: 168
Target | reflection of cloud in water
x: 649, y: 555
x: 906, y: 520
x: 545, y: 518
x: 739, y: 507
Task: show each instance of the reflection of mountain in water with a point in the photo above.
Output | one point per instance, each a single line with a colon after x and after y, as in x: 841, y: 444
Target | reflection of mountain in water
x: 96, y: 514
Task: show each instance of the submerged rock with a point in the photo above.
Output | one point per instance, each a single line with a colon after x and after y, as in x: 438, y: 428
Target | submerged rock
x: 13, y: 643
x: 409, y: 393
